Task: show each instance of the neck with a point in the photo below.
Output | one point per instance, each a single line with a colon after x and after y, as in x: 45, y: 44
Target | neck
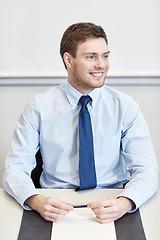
x: 79, y: 88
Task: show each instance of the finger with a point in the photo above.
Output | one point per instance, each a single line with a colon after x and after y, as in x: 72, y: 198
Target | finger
x: 105, y: 220
x: 69, y: 204
x: 105, y: 210
x: 53, y: 217
x: 96, y: 204
x: 52, y: 209
x: 57, y: 211
x: 107, y: 216
x: 53, y: 214
x: 62, y: 205
x: 102, y: 203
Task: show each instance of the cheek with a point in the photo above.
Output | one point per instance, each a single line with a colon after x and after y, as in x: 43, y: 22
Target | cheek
x: 107, y: 64
x: 82, y: 69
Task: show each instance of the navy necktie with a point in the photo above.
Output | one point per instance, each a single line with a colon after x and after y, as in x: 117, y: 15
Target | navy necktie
x: 87, y: 171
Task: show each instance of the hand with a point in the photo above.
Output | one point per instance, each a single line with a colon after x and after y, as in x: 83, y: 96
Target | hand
x: 110, y: 210
x: 50, y: 209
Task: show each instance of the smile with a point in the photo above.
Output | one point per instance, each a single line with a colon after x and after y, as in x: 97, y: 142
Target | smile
x: 98, y: 75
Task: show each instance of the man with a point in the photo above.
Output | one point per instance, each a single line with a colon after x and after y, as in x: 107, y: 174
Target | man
x: 123, y: 152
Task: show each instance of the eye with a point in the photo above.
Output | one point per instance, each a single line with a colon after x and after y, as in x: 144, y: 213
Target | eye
x: 105, y: 56
x: 90, y: 57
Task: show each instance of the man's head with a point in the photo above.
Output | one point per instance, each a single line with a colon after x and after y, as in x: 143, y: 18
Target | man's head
x: 77, y: 34
x: 84, y: 50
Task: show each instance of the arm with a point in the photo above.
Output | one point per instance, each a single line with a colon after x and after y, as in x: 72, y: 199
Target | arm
x: 139, y: 157
x: 21, y: 157
x: 140, y: 162
x: 19, y: 164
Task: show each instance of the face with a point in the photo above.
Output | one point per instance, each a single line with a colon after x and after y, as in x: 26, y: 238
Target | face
x: 89, y: 69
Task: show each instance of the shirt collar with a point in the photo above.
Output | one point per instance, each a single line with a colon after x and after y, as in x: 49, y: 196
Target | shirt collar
x: 73, y: 95
x: 94, y: 94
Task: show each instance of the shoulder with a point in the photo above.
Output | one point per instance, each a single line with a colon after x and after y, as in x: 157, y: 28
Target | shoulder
x: 109, y: 92
x: 114, y: 96
x: 49, y: 95
x: 46, y: 98
x: 44, y: 102
x: 125, y: 104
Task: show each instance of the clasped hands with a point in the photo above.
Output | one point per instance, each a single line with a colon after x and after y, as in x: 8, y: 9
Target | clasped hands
x: 54, y: 210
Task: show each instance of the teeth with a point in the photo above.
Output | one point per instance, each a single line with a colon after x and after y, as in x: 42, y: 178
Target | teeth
x: 97, y: 74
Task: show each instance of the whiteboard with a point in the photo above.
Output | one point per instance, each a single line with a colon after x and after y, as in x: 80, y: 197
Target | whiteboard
x: 31, y: 31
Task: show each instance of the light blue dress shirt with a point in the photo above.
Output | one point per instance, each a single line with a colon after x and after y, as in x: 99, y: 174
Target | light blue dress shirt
x: 122, y: 146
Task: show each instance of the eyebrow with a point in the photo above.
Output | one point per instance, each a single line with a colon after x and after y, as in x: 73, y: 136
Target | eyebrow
x: 94, y: 53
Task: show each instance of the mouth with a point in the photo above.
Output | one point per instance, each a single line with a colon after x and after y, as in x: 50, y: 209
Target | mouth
x: 96, y: 74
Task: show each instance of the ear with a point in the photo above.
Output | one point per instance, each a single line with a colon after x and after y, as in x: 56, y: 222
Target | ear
x: 68, y: 59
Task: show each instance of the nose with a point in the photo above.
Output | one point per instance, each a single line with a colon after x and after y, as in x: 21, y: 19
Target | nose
x: 100, y: 63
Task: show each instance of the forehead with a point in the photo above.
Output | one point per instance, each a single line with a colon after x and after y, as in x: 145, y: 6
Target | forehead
x: 96, y: 45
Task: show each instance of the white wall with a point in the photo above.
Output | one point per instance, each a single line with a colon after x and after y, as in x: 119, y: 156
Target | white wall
x: 31, y: 32
x: 13, y: 98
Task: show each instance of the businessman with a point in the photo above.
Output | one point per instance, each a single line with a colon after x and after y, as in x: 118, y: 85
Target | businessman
x: 116, y: 138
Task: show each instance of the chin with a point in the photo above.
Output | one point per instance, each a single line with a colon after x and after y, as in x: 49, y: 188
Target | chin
x: 99, y: 83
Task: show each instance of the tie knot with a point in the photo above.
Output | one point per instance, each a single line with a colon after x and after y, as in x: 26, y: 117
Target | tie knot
x: 84, y: 100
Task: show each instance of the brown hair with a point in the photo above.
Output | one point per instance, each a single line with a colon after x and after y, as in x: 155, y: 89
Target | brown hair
x: 79, y: 33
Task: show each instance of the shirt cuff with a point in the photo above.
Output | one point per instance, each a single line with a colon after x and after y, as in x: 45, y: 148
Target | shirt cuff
x: 133, y: 203
x: 25, y: 196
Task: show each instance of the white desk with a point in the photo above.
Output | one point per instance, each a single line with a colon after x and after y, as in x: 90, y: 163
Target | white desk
x: 11, y: 211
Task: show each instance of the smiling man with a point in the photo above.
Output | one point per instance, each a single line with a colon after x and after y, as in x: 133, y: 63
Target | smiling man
x: 89, y: 69
x: 119, y: 145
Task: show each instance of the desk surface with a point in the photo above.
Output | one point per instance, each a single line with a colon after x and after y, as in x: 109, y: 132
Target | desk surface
x: 11, y: 211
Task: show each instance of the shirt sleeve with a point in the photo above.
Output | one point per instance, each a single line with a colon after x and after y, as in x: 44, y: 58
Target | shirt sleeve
x: 138, y: 154
x: 21, y: 157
